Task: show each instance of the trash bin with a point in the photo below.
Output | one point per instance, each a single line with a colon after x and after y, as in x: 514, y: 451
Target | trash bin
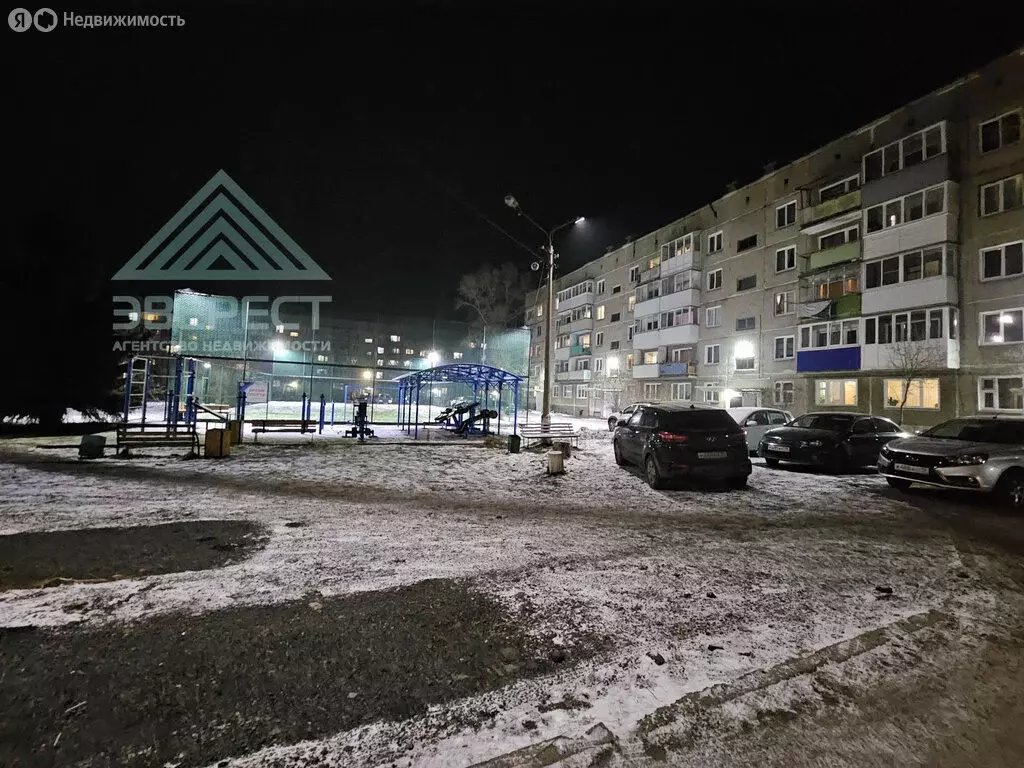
x: 218, y: 443
x: 514, y: 441
x: 91, y: 447
x: 235, y: 431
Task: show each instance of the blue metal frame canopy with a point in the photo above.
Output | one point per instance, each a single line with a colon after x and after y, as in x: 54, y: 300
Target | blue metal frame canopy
x: 411, y: 384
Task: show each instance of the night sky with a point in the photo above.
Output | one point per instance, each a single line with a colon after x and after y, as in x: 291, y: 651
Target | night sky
x: 381, y: 142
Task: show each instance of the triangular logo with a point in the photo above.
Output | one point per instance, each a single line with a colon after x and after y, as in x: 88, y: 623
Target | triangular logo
x: 221, y: 234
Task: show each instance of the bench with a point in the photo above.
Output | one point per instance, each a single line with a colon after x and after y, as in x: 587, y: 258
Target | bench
x: 283, y: 425
x: 556, y: 432
x: 156, y: 436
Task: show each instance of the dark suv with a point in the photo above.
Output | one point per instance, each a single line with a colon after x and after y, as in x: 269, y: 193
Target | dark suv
x: 683, y: 442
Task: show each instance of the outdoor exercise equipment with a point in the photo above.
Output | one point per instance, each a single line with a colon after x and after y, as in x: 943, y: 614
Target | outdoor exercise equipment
x: 360, y: 423
x: 484, y: 379
x: 180, y: 400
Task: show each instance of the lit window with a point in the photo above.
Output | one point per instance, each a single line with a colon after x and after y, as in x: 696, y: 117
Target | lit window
x: 365, y: 341
x: 457, y: 355
x: 713, y: 317
x: 920, y: 393
x: 836, y: 392
x: 600, y: 309
x: 395, y: 337
x: 293, y: 334
x: 650, y: 358
x: 193, y: 321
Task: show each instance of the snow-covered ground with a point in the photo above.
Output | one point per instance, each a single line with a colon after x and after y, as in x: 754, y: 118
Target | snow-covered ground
x: 692, y: 589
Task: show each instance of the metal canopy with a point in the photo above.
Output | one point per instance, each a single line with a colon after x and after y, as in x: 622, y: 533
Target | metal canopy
x: 483, y: 377
x: 467, y: 373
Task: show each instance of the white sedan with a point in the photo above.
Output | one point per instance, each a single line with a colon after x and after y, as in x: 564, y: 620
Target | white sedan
x: 757, y: 421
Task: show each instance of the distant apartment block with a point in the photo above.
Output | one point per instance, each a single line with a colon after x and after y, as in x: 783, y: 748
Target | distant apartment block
x: 884, y: 268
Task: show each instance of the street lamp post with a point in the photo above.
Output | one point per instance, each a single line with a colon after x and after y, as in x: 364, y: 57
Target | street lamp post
x: 511, y: 202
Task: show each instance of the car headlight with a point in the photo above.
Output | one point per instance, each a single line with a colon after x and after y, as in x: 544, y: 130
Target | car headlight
x: 970, y: 458
x: 886, y: 451
x: 816, y: 443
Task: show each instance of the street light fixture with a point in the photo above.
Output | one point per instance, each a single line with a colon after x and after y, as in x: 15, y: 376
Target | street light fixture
x: 511, y: 202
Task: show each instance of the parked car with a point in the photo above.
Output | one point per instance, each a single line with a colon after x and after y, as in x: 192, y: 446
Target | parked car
x: 623, y: 415
x: 831, y: 440
x: 983, y: 454
x: 674, y: 441
x: 756, y: 421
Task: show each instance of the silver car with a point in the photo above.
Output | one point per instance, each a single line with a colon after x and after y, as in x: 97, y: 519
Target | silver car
x: 757, y: 421
x: 977, y: 453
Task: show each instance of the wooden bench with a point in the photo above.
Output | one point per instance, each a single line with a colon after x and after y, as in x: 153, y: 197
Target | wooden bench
x: 156, y: 436
x: 283, y: 425
x: 556, y: 432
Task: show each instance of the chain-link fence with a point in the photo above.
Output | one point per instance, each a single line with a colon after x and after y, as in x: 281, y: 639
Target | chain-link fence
x: 291, y: 363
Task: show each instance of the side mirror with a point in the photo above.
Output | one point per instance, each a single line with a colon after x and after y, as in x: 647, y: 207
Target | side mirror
x: 919, y: 431
x: 750, y: 423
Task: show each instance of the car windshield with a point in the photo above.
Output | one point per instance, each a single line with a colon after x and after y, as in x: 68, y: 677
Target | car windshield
x: 680, y: 421
x: 832, y: 422
x: 978, y: 431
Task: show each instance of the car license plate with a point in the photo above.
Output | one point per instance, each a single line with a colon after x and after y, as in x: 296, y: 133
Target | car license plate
x: 779, y: 448
x: 911, y: 469
x: 712, y: 454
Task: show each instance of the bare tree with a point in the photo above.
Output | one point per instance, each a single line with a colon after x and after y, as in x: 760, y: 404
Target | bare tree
x: 910, y: 360
x: 493, y: 296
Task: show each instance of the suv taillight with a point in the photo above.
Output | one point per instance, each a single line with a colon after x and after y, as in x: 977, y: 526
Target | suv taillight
x: 672, y: 437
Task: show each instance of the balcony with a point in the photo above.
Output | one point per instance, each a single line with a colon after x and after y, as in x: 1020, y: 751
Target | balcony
x: 938, y: 353
x: 914, y: 293
x: 685, y: 260
x: 580, y: 375
x: 833, y: 359
x: 831, y: 309
x: 686, y: 297
x: 648, y: 307
x: 679, y: 334
x: 563, y: 375
x: 561, y: 353
x: 578, y: 349
x: 676, y: 369
x: 829, y: 256
x: 645, y: 371
x: 939, y: 228
x: 830, y: 213
x: 587, y: 297
x: 647, y: 340
x: 583, y: 324
x: 649, y: 275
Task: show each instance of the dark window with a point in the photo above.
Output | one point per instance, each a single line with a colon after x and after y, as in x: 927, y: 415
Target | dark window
x: 875, y: 219
x: 614, y: 318
x: 912, y: 266
x: 884, y: 426
x: 990, y: 136
x: 976, y: 430
x: 863, y: 427
x: 613, y: 345
x: 746, y: 243
x: 832, y: 422
x: 874, y: 274
x: 891, y: 270
x: 648, y: 418
x: 694, y: 418
x: 616, y: 288
x: 746, y: 283
x: 746, y: 323
x: 873, y: 166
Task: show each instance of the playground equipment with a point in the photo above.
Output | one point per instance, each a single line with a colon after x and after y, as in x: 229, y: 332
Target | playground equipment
x: 304, y: 424
x: 360, y: 423
x: 181, y: 407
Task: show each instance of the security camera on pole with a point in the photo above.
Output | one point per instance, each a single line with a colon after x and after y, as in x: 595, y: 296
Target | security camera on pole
x: 511, y: 202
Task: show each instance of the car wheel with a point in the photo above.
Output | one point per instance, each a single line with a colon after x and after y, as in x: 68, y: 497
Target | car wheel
x: 895, y: 482
x: 1010, y: 490
x: 611, y: 423
x: 737, y: 483
x: 653, y: 475
x: 618, y: 454
x: 771, y: 462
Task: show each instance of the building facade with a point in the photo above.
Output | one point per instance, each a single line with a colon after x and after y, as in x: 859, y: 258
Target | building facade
x: 880, y: 273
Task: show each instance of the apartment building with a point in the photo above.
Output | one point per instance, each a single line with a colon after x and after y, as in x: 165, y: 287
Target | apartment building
x: 880, y: 273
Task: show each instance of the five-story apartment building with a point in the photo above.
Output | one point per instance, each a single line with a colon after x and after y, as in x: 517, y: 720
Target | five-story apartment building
x: 882, y: 273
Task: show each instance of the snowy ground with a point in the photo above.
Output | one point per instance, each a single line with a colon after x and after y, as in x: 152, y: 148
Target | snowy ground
x: 697, y: 627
